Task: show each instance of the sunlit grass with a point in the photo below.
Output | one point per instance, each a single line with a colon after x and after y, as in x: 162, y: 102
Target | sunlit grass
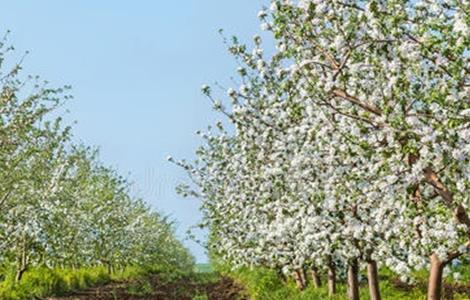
x: 264, y: 284
x: 203, y: 268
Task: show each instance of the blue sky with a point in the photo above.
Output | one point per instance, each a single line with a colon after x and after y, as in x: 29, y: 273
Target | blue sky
x: 136, y: 68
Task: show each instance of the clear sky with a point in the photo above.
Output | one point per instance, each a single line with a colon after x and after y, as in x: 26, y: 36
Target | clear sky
x: 136, y: 68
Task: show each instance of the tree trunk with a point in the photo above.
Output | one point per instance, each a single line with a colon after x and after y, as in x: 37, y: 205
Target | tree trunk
x: 435, y: 278
x: 315, y: 277
x: 281, y: 275
x: 303, y: 276
x: 19, y: 274
x: 353, y: 283
x: 331, y: 279
x: 373, y: 278
x: 298, y: 279
x: 22, y: 263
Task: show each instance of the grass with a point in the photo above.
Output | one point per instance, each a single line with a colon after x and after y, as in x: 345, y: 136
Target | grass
x: 140, y: 287
x: 263, y: 284
x: 204, y: 268
x: 200, y: 297
x: 260, y: 284
x: 42, y: 282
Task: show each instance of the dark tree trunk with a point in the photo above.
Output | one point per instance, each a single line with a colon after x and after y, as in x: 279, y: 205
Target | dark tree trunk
x: 19, y: 274
x: 353, y: 283
x: 331, y: 279
x: 315, y: 277
x: 303, y: 276
x: 23, y: 263
x: 281, y: 275
x: 373, y: 278
x: 300, y: 283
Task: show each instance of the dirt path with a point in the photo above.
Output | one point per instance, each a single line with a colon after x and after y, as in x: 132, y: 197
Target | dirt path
x: 184, y: 289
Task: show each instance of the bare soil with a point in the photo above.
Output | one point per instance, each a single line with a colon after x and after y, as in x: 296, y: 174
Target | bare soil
x: 183, y: 289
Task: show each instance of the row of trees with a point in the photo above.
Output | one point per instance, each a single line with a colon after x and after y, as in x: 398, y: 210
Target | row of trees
x: 349, y: 146
x: 60, y: 206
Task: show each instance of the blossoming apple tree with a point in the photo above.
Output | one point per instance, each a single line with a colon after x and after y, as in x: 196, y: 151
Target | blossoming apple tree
x: 351, y: 140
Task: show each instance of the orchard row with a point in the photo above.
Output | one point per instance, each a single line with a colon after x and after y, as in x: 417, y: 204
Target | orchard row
x: 61, y: 207
x: 348, y: 145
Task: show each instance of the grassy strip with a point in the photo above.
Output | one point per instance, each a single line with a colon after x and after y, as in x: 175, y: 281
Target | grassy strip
x: 263, y: 284
x: 43, y: 282
x: 39, y: 283
x: 203, y: 268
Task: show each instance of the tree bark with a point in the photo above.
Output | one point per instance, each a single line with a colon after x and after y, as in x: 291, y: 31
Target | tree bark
x: 298, y: 279
x: 22, y: 263
x: 315, y: 277
x: 331, y: 279
x: 19, y: 274
x: 303, y: 275
x: 435, y: 278
x: 373, y: 278
x: 460, y: 212
x: 281, y: 275
x: 353, y: 283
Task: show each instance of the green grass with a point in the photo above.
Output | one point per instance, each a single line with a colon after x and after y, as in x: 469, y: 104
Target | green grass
x: 204, y: 268
x: 200, y: 297
x: 42, y: 282
x: 260, y: 284
x: 140, y: 287
x: 263, y: 284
